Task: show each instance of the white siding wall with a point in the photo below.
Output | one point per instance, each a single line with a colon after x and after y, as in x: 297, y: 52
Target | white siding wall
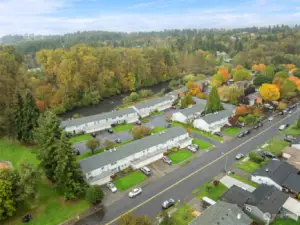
x: 147, y: 161
x: 213, y: 127
x: 179, y: 117
x: 101, y: 181
x: 201, y: 124
x: 160, y: 107
x: 265, y: 180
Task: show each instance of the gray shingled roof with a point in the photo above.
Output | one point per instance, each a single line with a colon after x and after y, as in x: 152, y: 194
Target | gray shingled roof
x: 292, y: 182
x: 267, y: 199
x: 102, y: 159
x: 198, y: 108
x: 87, y: 119
x: 276, y: 170
x: 222, y: 213
x: 213, y: 117
x: 153, y: 102
x: 236, y: 195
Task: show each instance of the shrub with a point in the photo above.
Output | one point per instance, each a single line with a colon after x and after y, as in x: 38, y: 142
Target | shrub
x: 201, y: 95
x: 250, y: 119
x: 92, y: 144
x: 140, y: 132
x: 145, y: 93
x: 108, y: 144
x: 94, y: 194
x: 128, y: 170
x: 255, y: 158
x: 216, y: 182
x: 209, y: 187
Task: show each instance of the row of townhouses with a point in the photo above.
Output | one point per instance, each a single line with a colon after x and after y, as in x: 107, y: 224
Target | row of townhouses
x: 104, y: 121
x: 99, y: 168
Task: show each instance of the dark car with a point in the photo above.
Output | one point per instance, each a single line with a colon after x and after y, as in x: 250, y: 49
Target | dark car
x: 256, y: 126
x: 218, y: 134
x: 269, y: 155
x: 168, y: 125
x: 260, y: 124
x: 27, y: 218
x: 138, y: 122
x: 93, y: 135
x: 246, y: 132
x: 168, y: 203
x: 118, y: 141
x: 288, y: 139
x: 260, y: 154
x: 281, y: 113
x: 110, y: 130
x: 77, y: 152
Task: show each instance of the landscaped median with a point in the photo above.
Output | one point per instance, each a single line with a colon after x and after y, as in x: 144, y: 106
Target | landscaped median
x: 80, y: 138
x: 130, y: 180
x: 200, y: 132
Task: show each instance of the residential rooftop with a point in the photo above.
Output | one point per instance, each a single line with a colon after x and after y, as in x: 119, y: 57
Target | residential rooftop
x: 153, y: 102
x: 236, y: 195
x: 197, y: 108
x: 108, y: 157
x: 212, y: 117
x: 97, y: 117
x: 222, y: 213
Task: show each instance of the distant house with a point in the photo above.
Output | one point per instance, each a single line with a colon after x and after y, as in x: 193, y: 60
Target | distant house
x: 264, y: 199
x: 213, y: 122
x: 222, y: 213
x: 292, y: 156
x: 254, y: 98
x: 99, y: 168
x: 90, y: 124
x: 157, y: 104
x: 279, y: 174
x: 188, y: 114
x: 222, y: 54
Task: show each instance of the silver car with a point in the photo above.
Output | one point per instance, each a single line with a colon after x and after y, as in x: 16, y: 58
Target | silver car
x: 167, y: 160
x: 112, y: 187
x: 135, y: 192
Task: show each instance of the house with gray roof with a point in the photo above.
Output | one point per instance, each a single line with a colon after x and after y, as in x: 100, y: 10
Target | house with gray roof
x: 279, y: 174
x: 99, y: 168
x: 188, y: 114
x: 156, y: 104
x: 98, y: 122
x: 222, y: 213
x: 264, y: 199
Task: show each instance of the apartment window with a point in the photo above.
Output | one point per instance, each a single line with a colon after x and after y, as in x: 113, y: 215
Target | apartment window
x: 248, y: 208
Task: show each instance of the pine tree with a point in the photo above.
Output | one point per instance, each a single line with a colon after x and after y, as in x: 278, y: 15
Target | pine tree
x: 68, y: 176
x: 213, y: 103
x: 30, y: 116
x: 15, y: 117
x: 47, y: 135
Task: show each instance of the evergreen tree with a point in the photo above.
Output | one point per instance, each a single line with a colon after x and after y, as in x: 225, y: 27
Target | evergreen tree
x: 213, y: 103
x: 47, y: 135
x: 15, y: 117
x: 67, y: 174
x: 29, y: 180
x: 30, y: 115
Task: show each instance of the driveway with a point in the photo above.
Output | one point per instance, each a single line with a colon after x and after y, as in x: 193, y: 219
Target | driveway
x: 230, y: 181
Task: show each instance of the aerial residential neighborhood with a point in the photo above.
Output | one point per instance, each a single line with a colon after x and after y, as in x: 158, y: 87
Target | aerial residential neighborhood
x: 149, y: 112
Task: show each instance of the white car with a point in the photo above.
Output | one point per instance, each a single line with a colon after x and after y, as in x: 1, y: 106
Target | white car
x: 283, y: 126
x: 271, y: 118
x: 112, y: 187
x: 239, y: 156
x: 192, y: 148
x: 290, y: 112
x: 135, y: 192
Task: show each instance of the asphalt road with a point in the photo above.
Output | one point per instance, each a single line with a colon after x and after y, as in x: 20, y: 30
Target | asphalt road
x: 180, y: 183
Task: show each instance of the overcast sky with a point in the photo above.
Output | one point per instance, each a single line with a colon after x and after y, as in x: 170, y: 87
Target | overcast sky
x: 62, y: 16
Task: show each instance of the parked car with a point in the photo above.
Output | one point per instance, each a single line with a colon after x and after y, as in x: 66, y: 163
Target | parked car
x: 168, y: 203
x: 110, y: 131
x: 118, y: 141
x: 281, y: 113
x: 269, y: 155
x: 195, y: 146
x: 240, y: 125
x: 218, y: 134
x: 239, y: 156
x: 135, y: 192
x: 146, y: 171
x: 93, y: 135
x: 291, y: 137
x: 112, y: 187
x: 192, y: 148
x: 246, y: 132
x: 167, y: 160
x: 260, y: 124
x: 288, y: 139
x: 241, y: 135
x: 271, y: 118
x: 27, y: 218
x: 260, y: 154
x: 168, y: 125
x: 285, y: 111
x: 283, y: 126
x: 290, y: 111
x: 77, y: 152
x: 138, y: 122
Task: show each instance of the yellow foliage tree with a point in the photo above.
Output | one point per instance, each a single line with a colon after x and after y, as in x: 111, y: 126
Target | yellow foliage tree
x: 239, y: 67
x: 290, y: 66
x: 258, y: 67
x: 269, y: 92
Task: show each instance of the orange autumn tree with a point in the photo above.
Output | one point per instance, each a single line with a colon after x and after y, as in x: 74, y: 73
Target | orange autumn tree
x: 296, y: 80
x: 191, y: 85
x: 258, y: 67
x: 269, y: 92
x: 224, y: 72
x: 241, y: 110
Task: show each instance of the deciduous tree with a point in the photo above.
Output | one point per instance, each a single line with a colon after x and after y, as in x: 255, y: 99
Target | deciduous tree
x: 287, y: 88
x: 94, y: 194
x: 269, y: 92
x: 92, y: 144
x: 140, y: 132
x: 241, y: 75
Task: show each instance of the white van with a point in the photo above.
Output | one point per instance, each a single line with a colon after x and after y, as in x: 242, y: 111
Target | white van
x: 146, y: 170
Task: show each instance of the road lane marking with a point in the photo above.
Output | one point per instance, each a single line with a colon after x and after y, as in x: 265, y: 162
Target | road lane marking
x: 197, y: 171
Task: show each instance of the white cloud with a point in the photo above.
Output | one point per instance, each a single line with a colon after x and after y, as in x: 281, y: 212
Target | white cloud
x: 37, y: 16
x: 141, y: 5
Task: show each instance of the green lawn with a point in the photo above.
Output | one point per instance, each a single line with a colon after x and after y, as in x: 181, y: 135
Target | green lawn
x: 122, y: 127
x: 203, y: 133
x: 100, y: 150
x: 285, y: 222
x: 276, y: 146
x: 156, y: 113
x: 49, y: 208
x: 248, y: 166
x: 183, y: 215
x: 202, y: 144
x: 84, y: 137
x: 158, y: 129
x: 232, y: 131
x: 179, y: 156
x: 292, y: 130
x: 16, y: 153
x: 243, y: 180
x: 130, y: 180
x: 215, y: 193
